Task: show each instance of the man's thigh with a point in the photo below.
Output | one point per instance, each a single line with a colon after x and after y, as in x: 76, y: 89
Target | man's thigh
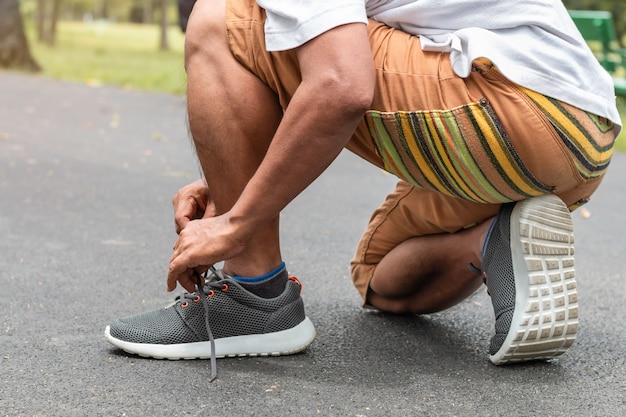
x: 479, y: 138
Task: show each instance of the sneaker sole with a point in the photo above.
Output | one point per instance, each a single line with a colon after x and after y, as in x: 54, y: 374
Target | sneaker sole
x: 545, y: 320
x: 285, y: 342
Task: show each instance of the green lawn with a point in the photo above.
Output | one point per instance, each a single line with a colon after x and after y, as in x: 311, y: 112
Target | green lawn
x: 127, y: 55
x: 118, y: 54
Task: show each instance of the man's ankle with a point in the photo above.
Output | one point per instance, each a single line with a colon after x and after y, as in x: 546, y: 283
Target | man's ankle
x: 269, y: 285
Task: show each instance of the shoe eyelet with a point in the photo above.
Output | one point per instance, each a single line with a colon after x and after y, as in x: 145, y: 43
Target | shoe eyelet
x: 224, y: 287
x: 195, y: 300
x: 297, y: 281
x: 211, y: 293
x: 185, y: 304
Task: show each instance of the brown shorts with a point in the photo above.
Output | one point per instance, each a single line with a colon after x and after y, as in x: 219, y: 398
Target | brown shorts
x: 460, y: 146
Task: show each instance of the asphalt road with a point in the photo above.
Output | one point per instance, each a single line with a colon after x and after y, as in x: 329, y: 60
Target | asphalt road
x: 86, y: 229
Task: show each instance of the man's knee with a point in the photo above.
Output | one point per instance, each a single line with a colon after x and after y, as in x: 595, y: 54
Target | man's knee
x: 206, y: 29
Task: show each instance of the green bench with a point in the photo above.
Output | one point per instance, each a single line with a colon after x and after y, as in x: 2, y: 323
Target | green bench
x: 597, y: 28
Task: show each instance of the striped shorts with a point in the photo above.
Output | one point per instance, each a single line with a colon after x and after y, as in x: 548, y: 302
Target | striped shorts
x: 460, y: 146
x: 465, y: 152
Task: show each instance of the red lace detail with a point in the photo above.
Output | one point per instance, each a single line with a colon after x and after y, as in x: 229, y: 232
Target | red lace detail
x: 297, y: 281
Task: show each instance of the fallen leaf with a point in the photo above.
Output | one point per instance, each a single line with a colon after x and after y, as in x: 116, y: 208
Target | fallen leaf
x: 115, y: 121
x: 584, y: 213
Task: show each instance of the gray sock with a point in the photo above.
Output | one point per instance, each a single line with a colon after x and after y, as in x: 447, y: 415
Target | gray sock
x: 269, y: 285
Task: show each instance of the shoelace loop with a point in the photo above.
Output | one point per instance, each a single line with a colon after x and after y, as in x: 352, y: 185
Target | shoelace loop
x: 200, y: 295
x: 200, y: 287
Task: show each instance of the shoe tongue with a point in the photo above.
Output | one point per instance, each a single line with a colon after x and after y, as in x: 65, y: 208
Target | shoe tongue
x: 217, y: 275
x: 213, y: 276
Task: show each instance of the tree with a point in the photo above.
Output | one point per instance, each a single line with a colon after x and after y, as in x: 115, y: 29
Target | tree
x: 46, y: 19
x: 164, y: 45
x: 102, y: 11
x: 14, y: 49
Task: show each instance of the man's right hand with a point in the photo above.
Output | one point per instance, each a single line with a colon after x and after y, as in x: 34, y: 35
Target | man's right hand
x: 192, y: 202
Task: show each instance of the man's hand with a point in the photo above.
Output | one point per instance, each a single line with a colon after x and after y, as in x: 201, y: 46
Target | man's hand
x: 338, y: 80
x: 201, y: 244
x: 192, y: 202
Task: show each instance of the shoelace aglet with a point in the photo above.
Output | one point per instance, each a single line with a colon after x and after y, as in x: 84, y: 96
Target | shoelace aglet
x: 200, y: 286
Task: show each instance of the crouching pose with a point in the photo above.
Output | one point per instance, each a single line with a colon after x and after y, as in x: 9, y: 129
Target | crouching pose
x: 494, y: 115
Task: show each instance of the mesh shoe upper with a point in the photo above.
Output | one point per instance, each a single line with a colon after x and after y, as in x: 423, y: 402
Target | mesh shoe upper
x: 233, y: 312
x: 500, y: 279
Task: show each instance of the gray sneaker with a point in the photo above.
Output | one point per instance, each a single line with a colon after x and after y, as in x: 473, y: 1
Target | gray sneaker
x: 238, y: 323
x: 528, y: 266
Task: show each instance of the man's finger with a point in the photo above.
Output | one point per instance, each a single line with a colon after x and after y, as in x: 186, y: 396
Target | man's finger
x: 177, y: 271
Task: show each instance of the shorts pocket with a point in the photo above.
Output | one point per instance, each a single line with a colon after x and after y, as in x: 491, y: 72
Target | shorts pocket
x: 463, y: 152
x: 588, y: 138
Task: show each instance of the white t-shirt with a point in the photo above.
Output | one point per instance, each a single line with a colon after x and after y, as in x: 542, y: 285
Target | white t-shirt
x: 533, y: 43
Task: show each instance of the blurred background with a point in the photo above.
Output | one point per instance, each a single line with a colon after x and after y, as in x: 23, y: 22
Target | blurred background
x: 128, y: 43
x: 137, y: 44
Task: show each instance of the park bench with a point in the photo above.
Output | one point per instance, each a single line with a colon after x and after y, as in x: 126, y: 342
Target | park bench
x: 597, y: 28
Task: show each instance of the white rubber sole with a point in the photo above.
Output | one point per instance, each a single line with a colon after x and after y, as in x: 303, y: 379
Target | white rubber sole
x: 285, y: 342
x: 545, y: 320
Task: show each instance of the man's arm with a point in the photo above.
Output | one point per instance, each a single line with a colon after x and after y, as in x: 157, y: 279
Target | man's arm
x: 337, y: 88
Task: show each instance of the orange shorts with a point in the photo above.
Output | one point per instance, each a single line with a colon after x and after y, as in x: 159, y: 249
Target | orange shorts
x: 460, y: 146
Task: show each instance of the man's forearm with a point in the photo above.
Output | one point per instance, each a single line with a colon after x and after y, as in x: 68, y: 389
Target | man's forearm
x: 321, y: 118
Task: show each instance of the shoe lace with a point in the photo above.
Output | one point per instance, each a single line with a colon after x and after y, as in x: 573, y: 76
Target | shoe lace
x: 212, y: 283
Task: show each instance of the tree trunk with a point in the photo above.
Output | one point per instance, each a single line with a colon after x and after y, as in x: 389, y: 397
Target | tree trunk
x: 164, y: 23
x: 103, y: 9
x: 40, y: 20
x: 46, y: 19
x: 147, y: 11
x: 14, y: 50
x: 52, y: 23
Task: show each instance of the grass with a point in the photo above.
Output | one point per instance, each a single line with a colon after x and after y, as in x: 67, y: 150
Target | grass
x: 127, y: 55
x: 119, y: 54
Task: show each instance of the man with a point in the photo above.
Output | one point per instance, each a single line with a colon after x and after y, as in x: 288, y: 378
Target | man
x: 495, y: 116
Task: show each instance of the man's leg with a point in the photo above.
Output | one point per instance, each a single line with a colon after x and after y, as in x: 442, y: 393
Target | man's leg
x: 429, y: 273
x: 232, y: 117
x: 413, y: 258
x: 259, y: 312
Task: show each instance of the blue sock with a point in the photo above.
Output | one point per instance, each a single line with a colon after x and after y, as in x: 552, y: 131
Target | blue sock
x: 267, y: 285
x: 493, y: 222
x: 260, y: 278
